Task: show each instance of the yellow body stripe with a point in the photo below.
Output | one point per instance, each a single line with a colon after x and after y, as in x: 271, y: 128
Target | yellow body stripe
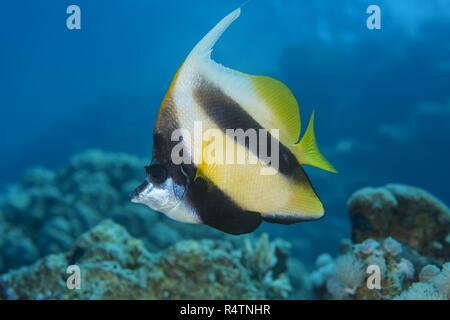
x: 267, y: 194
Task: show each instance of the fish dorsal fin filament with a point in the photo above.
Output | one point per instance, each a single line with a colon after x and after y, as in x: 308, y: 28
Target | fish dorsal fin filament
x: 256, y: 94
x: 205, y: 46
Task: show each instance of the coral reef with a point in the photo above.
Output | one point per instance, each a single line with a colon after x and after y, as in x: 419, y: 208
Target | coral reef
x: 410, y: 215
x: 59, y: 218
x: 15, y: 247
x: 300, y: 279
x: 399, y: 233
x: 46, y: 211
x: 346, y: 276
x: 115, y: 265
x: 434, y: 284
x: 267, y: 261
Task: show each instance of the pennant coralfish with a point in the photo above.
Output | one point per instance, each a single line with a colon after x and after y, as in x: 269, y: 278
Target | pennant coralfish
x: 239, y: 113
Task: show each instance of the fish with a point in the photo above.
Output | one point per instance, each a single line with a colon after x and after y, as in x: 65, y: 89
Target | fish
x: 211, y: 111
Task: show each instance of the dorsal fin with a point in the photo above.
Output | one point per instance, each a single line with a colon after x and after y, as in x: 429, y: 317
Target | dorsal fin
x: 282, y: 106
x: 205, y: 46
x: 265, y: 99
x: 250, y: 91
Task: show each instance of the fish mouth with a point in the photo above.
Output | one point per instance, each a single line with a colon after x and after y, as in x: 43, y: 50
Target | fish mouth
x: 159, y: 198
x: 135, y: 195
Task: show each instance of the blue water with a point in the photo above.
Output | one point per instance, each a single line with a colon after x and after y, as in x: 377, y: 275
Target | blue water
x: 381, y: 97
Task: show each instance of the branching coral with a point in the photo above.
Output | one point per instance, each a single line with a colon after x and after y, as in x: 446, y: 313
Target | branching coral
x: 347, y: 277
x: 267, y: 262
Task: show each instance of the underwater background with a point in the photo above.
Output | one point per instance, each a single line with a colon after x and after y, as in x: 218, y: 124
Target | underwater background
x: 79, y: 106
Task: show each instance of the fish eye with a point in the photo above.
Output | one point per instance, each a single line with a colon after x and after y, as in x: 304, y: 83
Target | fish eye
x: 156, y: 172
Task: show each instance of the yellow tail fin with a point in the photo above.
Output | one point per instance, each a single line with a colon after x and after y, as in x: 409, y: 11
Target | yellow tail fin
x: 307, y: 151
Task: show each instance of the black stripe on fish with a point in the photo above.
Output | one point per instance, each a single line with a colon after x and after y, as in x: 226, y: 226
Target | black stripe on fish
x: 167, y: 120
x: 218, y: 210
x: 166, y: 123
x: 228, y: 114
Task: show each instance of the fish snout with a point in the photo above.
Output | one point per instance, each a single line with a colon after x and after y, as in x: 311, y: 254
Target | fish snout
x: 135, y: 195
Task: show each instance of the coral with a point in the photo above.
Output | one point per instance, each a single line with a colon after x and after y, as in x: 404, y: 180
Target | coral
x: 406, y: 268
x: 267, y: 260
x: 347, y: 277
x: 299, y: 277
x: 343, y: 277
x: 434, y: 285
x: 410, y: 215
x: 442, y: 281
x: 420, y: 291
x: 428, y: 273
x: 115, y: 265
x: 15, y: 247
x: 392, y: 246
x: 397, y: 230
x: 47, y: 210
x: 325, y: 266
x: 367, y: 247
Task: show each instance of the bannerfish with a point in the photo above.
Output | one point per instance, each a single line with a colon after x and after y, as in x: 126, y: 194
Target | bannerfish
x: 211, y: 111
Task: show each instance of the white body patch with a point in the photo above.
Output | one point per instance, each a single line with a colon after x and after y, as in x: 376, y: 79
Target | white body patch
x: 183, y: 212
